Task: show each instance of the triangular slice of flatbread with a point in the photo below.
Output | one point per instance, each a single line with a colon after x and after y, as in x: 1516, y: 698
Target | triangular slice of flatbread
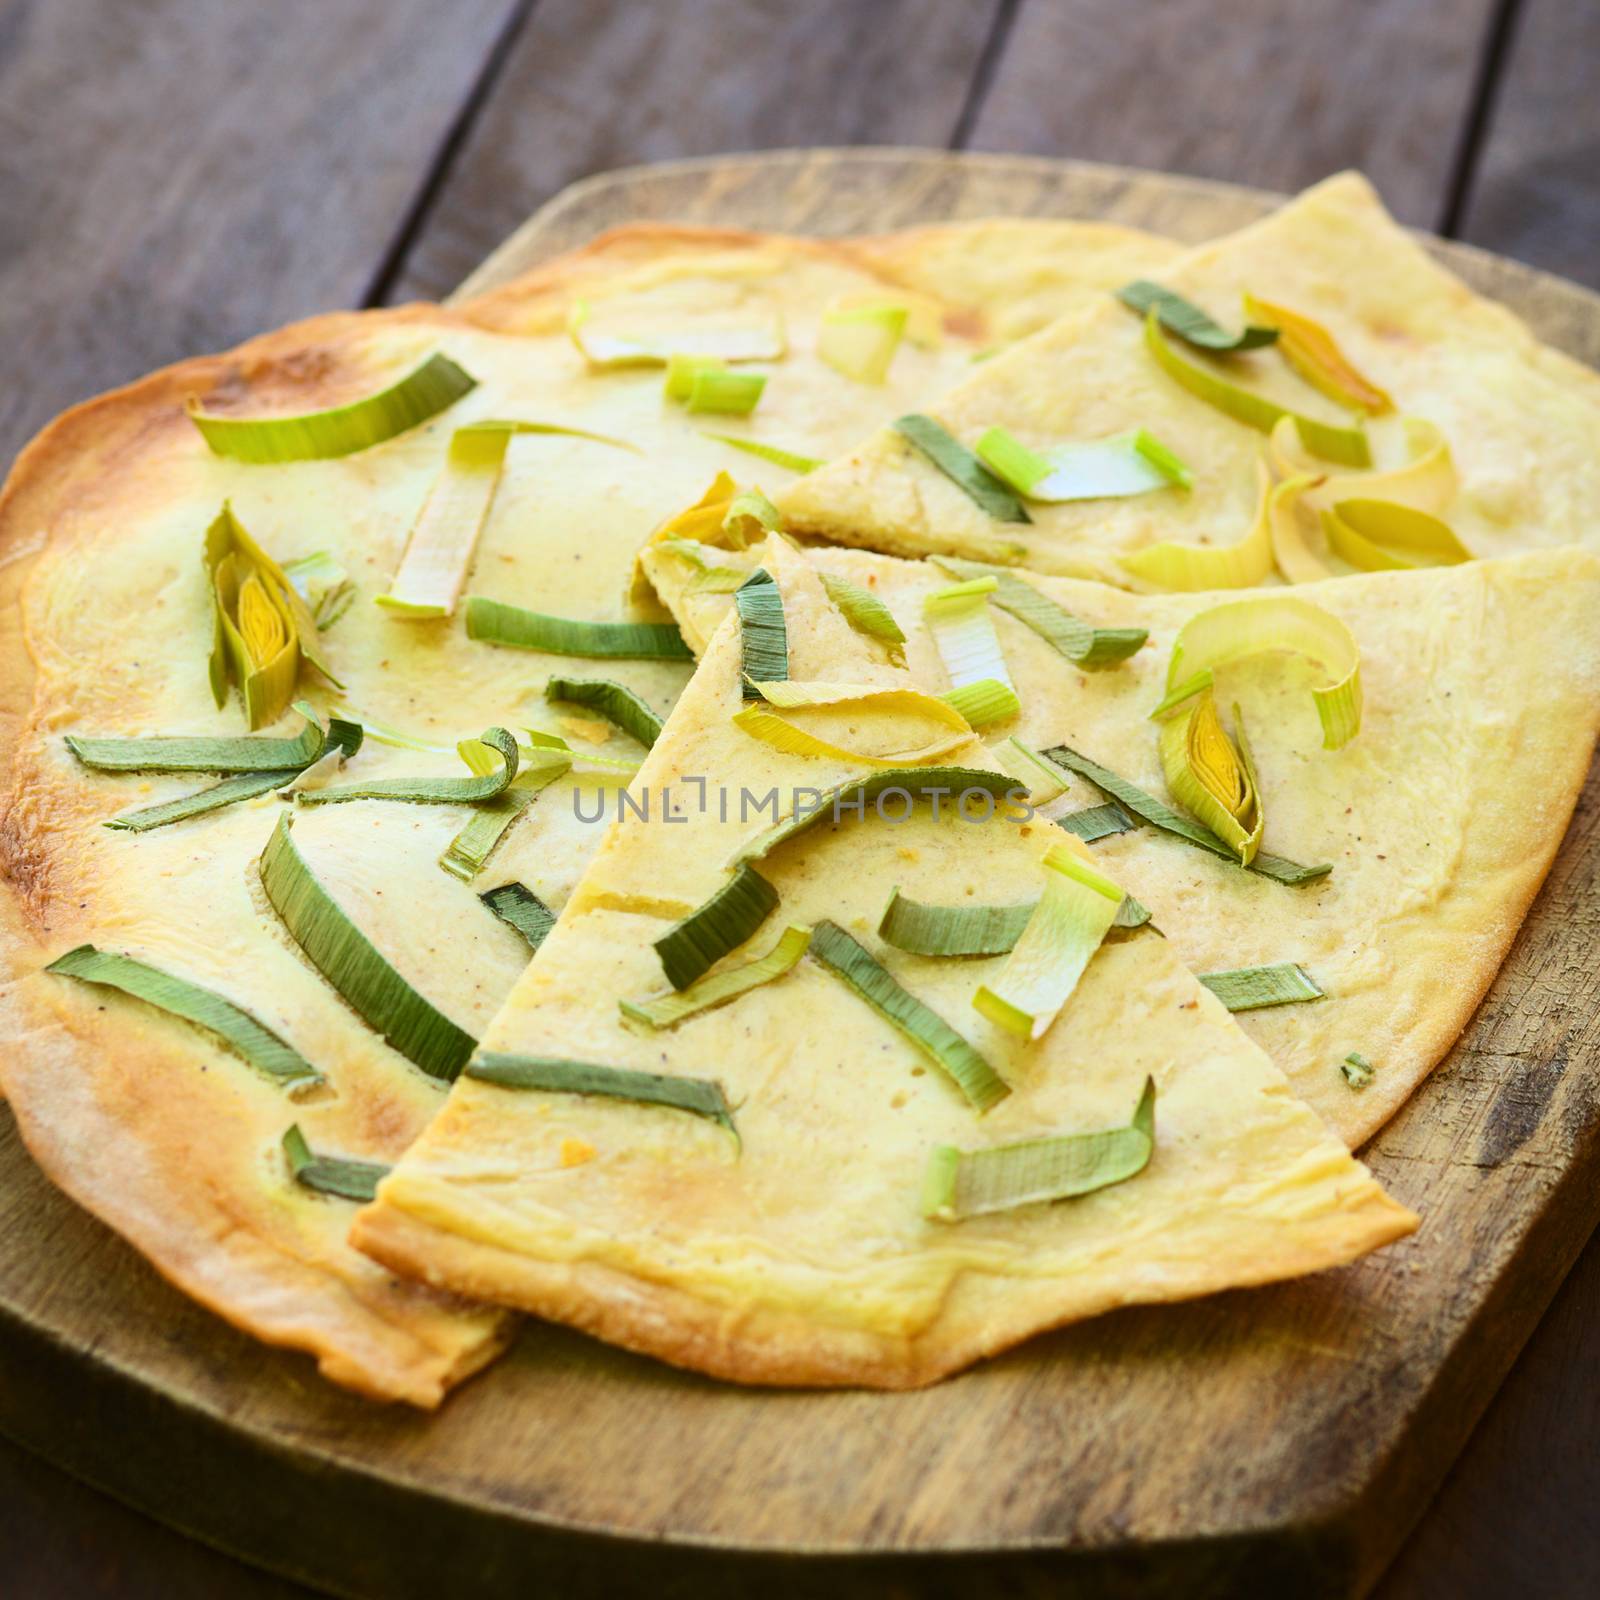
x: 801, y: 1255
x: 1482, y: 699
x: 1522, y: 420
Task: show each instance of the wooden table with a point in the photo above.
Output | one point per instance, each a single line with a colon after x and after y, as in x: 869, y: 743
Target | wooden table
x: 175, y: 175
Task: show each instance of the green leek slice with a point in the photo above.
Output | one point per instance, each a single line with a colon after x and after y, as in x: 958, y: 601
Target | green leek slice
x: 1379, y: 536
x: 323, y: 584
x: 545, y: 754
x: 731, y: 344
x: 335, y: 1175
x: 961, y: 467
x: 668, y: 1010
x: 1173, y: 564
x: 1189, y: 322
x: 1210, y: 776
x: 863, y: 610
x: 245, y: 754
x: 317, y: 435
x: 430, y: 791
x: 1148, y: 809
x: 854, y: 965
x: 695, y: 943
x: 1426, y: 480
x: 253, y: 1041
x: 983, y: 702
x: 494, y: 622
x: 352, y: 964
x: 768, y: 452
x: 1357, y: 1071
x: 1314, y: 353
x: 963, y: 633
x: 1242, y: 628
x: 618, y: 704
x: 762, y: 722
x: 860, y: 341
x: 1096, y: 822
x: 1095, y: 469
x: 683, y: 370
x: 1346, y: 445
x: 973, y: 1183
x: 468, y: 853
x: 1085, y: 647
x: 729, y: 394
x: 1043, y: 779
x: 929, y: 930
x: 1284, y: 983
x: 519, y: 907
x: 1068, y: 925
x: 702, y: 1097
x: 261, y: 627
x: 750, y: 517
x: 763, y: 634
x: 855, y: 795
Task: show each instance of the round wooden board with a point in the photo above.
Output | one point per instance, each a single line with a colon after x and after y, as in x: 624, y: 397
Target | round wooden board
x: 1285, y: 1436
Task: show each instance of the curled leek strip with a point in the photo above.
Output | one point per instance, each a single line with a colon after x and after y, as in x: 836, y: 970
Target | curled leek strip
x: 1425, y: 479
x: 855, y: 966
x: 430, y: 791
x: 1314, y: 353
x: 859, y: 341
x: 1173, y: 564
x: 1377, y: 536
x: 863, y: 610
x: 963, y: 632
x: 1096, y: 469
x: 857, y: 706
x: 749, y: 518
x: 352, y: 964
x: 335, y: 1175
x: 1211, y: 777
x: 1189, y: 322
x: 972, y: 1183
x: 791, y: 459
x: 961, y: 467
x: 764, y: 341
x: 316, y: 435
x: 1073, y: 916
x: 252, y: 1040
x: 1294, y: 558
x: 1347, y: 445
x: 703, y: 1097
x: 1243, y: 628
x: 668, y: 1010
x: 690, y: 947
x: 617, y: 703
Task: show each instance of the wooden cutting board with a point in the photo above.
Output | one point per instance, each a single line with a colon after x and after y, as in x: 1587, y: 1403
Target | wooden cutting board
x: 1285, y: 1436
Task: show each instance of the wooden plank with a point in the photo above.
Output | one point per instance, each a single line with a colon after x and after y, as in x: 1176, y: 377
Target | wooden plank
x: 1533, y: 194
x: 1274, y: 94
x: 1317, y: 1416
x: 176, y: 175
x: 595, y: 84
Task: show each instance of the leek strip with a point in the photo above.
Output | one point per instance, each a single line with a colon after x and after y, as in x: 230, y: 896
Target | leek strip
x: 933, y: 783
x: 1086, y: 647
x: 543, y: 757
x: 768, y: 452
x: 1096, y: 822
x: 254, y: 1041
x: 711, y: 577
x: 1377, y: 536
x: 974, y: 1183
x: 854, y: 965
x: 698, y: 941
x: 1174, y: 564
x: 519, y: 907
x: 1284, y: 983
x: 245, y: 754
x: 352, y: 964
x: 863, y: 610
x: 1069, y: 924
x: 860, y: 341
x: 494, y: 622
x: 430, y: 791
x: 1095, y: 469
x: 1130, y: 914
x: 246, y: 786
x: 750, y: 517
x: 619, y: 705
x: 468, y: 853
x: 1346, y: 445
x: 723, y: 344
x: 683, y: 370
x: 763, y: 633
x: 1210, y: 777
x: 341, y: 431
x: 386, y: 733
x: 1357, y: 1071
x: 986, y: 701
x: 1314, y: 353
x: 730, y: 394
x: 335, y: 1175
x: 765, y: 725
x: 963, y: 633
x: 1189, y: 322
x: 323, y: 584
x: 961, y: 467
x: 930, y: 930
x: 1043, y: 779
x: 702, y: 1097
x: 1294, y: 557
x: 1150, y: 810
x: 1426, y: 481
x: 668, y: 1010
x: 1242, y: 628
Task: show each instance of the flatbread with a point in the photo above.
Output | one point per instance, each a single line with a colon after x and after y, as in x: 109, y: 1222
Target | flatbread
x: 159, y: 1131
x: 801, y: 1255
x: 1522, y: 420
x: 1482, y: 700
